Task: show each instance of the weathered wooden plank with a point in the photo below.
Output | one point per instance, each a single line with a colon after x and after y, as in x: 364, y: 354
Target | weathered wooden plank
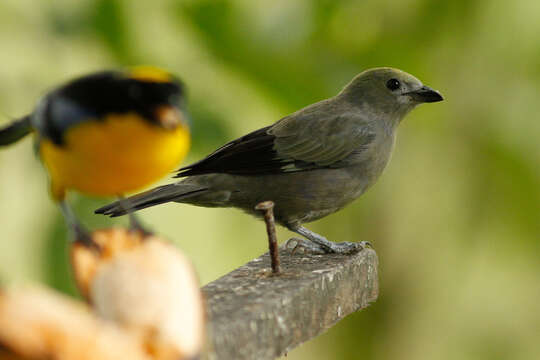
x: 255, y: 315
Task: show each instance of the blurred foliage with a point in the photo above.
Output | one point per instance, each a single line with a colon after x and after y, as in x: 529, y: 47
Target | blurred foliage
x: 456, y: 217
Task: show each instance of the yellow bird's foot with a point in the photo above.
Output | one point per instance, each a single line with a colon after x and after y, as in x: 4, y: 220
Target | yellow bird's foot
x: 84, y: 237
x: 79, y: 233
x: 135, y: 224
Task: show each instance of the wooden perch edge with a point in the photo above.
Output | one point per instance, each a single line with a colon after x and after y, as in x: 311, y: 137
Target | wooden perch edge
x: 253, y: 314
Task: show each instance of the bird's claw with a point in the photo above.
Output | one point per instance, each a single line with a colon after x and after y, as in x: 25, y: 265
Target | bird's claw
x: 135, y: 226
x: 307, y: 246
x: 366, y: 244
x: 347, y: 247
x: 84, y: 238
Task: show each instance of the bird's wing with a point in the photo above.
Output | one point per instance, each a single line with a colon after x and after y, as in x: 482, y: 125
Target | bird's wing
x: 292, y: 144
x: 15, y: 131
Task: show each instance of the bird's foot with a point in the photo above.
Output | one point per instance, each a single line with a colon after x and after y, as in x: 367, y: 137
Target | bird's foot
x: 349, y: 247
x: 79, y: 233
x: 83, y: 237
x: 307, y: 246
x: 304, y: 247
x: 136, y: 226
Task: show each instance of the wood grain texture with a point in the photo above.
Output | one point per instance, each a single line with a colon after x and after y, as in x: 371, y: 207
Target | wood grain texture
x: 255, y: 315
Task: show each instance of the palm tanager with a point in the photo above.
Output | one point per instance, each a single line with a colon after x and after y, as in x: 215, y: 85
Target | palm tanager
x: 310, y: 164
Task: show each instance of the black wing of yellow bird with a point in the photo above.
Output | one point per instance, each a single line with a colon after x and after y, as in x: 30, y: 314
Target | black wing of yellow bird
x: 108, y: 133
x: 311, y: 163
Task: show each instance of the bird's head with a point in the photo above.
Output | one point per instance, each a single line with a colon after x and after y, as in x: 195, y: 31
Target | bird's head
x: 388, y: 91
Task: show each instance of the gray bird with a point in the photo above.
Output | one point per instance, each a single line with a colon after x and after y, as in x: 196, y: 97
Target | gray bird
x: 310, y: 164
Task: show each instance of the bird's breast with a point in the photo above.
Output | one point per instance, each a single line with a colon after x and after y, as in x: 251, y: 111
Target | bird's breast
x: 114, y: 156
x: 375, y: 160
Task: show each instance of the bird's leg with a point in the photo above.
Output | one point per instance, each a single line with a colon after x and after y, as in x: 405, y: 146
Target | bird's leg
x: 134, y: 223
x: 320, y: 245
x: 80, y: 233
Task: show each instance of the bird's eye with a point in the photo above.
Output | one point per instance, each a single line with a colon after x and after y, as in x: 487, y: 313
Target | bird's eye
x: 393, y: 84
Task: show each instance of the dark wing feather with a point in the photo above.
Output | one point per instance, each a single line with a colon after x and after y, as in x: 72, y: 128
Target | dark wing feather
x: 251, y: 154
x: 292, y: 144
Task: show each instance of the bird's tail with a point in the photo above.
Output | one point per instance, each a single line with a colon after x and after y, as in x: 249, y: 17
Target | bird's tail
x: 159, y: 195
x: 15, y: 131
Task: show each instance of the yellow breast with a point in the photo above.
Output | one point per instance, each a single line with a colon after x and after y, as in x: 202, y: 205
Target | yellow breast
x: 117, y: 155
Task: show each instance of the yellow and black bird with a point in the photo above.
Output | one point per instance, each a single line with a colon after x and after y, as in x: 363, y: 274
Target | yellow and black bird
x: 107, y: 133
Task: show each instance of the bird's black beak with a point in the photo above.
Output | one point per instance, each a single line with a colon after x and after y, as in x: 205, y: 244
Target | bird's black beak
x: 426, y: 94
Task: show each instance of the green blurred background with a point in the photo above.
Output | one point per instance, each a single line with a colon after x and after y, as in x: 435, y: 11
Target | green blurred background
x: 456, y: 217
